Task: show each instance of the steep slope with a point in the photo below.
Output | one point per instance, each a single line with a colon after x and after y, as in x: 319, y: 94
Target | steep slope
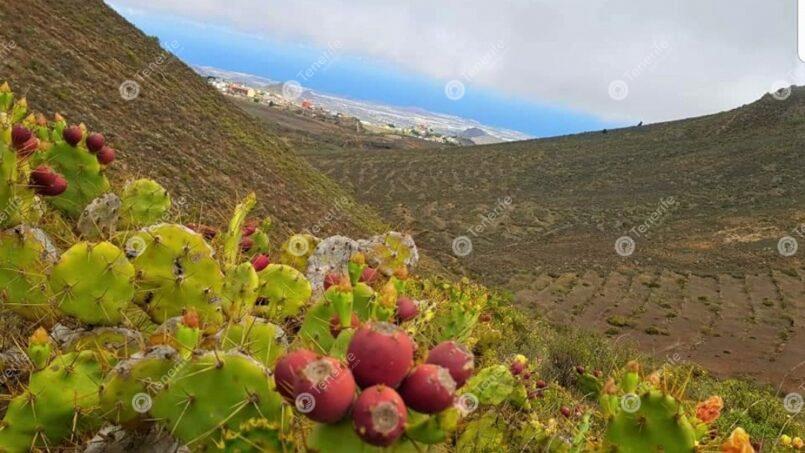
x: 72, y: 57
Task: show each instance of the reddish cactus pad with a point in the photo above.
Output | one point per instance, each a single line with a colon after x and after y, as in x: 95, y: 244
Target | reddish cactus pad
x: 428, y: 389
x: 380, y: 353
x: 326, y: 389
x: 379, y: 415
x: 288, y: 367
x: 458, y: 360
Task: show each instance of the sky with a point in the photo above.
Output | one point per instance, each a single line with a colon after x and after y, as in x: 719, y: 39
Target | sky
x: 541, y: 67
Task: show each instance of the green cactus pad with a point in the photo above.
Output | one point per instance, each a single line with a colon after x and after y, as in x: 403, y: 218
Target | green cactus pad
x: 282, y: 292
x: 61, y: 401
x: 240, y: 290
x: 296, y: 250
x: 215, y: 392
x: 85, y: 180
x: 121, y: 395
x: 657, y: 425
x: 93, y: 283
x: 175, y: 270
x: 262, y: 340
x: 24, y: 262
x: 143, y: 202
x: 315, y: 331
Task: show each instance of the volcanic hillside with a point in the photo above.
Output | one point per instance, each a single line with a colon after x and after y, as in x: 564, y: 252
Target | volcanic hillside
x: 705, y: 200
x: 72, y: 56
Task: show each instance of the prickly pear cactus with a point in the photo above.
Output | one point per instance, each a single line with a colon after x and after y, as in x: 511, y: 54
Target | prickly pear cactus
x: 296, y: 250
x: 127, y: 390
x: 643, y: 417
x: 100, y: 218
x: 25, y: 259
x: 389, y: 252
x: 240, y: 291
x: 143, y: 202
x: 282, y: 292
x: 85, y: 178
x: 213, y: 393
x: 61, y: 401
x: 93, y: 283
x: 176, y: 270
x: 256, y: 337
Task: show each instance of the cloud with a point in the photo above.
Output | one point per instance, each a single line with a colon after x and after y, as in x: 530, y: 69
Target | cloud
x: 676, y: 59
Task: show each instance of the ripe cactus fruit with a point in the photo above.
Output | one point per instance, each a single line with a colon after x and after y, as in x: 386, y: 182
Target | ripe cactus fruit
x: 335, y: 324
x: 175, y: 270
x: 73, y: 135
x: 215, y: 391
x: 332, y: 279
x: 93, y: 283
x: 95, y: 142
x: 20, y: 135
x: 407, y: 309
x: 288, y: 368
x: 143, y: 202
x: 458, y: 360
x: 326, y: 388
x: 47, y: 182
x: 282, y: 292
x: 260, y: 262
x: 106, y: 155
x: 25, y: 260
x: 428, y: 389
x: 379, y: 415
x: 100, y: 217
x: 380, y: 353
x: 369, y: 275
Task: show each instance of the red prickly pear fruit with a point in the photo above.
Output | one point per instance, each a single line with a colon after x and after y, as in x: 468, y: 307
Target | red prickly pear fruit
x: 57, y: 188
x: 380, y: 353
x: 428, y: 389
x: 379, y: 415
x: 407, y: 309
x: 260, y: 262
x: 566, y: 412
x: 190, y: 318
x: 526, y: 375
x: 326, y: 389
x: 246, y: 244
x: 106, y: 155
x: 598, y: 373
x: 20, y: 135
x: 580, y: 369
x: 485, y: 317
x: 335, y: 324
x: 369, y: 275
x: 458, y: 360
x: 72, y: 135
x: 287, y: 369
x: 28, y: 148
x: 331, y: 279
x: 43, y: 176
x: 516, y: 368
x: 95, y: 142
x: 249, y: 228
x: 541, y: 384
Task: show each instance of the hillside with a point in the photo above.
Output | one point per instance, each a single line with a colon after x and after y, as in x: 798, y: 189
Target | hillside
x: 72, y: 57
x: 705, y: 282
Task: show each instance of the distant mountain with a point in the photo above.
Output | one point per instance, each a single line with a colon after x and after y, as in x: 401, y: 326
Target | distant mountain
x: 378, y: 114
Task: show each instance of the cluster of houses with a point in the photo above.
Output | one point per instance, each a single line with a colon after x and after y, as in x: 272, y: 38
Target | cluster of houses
x: 305, y: 107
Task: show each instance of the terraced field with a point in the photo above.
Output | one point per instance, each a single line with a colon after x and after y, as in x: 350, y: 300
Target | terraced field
x: 752, y: 325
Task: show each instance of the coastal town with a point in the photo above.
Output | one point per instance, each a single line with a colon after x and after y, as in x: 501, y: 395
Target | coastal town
x: 296, y: 100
